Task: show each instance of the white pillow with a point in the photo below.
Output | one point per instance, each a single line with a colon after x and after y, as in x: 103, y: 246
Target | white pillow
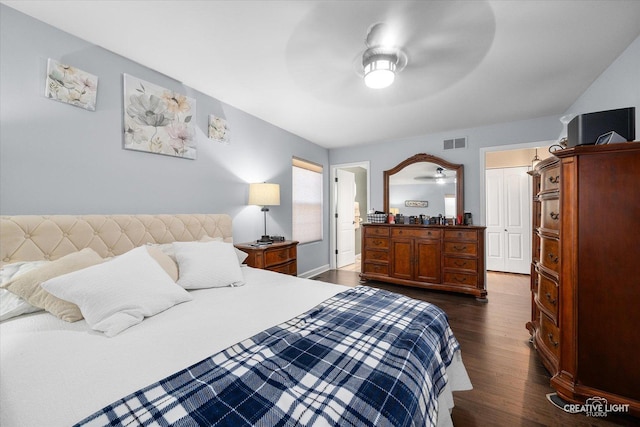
x: 11, y: 305
x: 207, y: 265
x: 167, y: 248
x: 120, y: 293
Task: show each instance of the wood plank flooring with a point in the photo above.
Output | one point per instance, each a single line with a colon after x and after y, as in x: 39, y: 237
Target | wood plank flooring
x: 510, y: 383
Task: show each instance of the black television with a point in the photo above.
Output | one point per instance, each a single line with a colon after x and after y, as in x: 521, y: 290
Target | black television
x: 586, y: 128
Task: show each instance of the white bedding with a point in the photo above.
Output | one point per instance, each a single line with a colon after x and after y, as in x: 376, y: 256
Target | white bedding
x: 55, y: 373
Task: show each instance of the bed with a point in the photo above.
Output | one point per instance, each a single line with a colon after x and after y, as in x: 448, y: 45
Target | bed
x: 59, y: 373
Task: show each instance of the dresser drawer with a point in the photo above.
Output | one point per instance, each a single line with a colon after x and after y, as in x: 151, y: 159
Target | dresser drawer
x: 547, y: 296
x: 464, y: 264
x: 376, y: 243
x: 372, y: 255
x: 467, y: 235
x: 460, y: 279
x: 290, y: 267
x: 279, y: 256
x: 550, y: 215
x: 549, y: 335
x: 376, y: 231
x: 550, y: 253
x: 460, y: 248
x: 550, y: 179
x: 416, y: 232
x: 382, y: 269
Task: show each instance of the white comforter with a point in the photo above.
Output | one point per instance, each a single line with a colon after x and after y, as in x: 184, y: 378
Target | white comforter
x: 55, y: 373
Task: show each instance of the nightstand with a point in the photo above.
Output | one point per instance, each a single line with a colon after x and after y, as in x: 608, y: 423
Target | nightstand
x: 280, y: 257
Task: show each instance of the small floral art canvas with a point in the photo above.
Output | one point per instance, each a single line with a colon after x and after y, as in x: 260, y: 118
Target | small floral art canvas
x: 218, y: 129
x: 71, y: 85
x: 158, y: 120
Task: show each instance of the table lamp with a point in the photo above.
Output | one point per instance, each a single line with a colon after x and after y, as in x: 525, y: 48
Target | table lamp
x: 264, y: 194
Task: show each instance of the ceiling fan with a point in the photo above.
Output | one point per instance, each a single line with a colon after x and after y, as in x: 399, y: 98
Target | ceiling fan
x: 425, y: 46
x: 439, y: 176
x: 382, y: 59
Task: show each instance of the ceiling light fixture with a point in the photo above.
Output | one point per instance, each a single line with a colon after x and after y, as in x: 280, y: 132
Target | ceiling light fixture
x: 379, y: 68
x: 381, y: 61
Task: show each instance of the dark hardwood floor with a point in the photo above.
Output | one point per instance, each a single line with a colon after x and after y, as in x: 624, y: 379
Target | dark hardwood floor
x: 510, y: 383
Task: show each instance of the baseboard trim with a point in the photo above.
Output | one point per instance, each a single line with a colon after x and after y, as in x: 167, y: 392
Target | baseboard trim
x: 315, y: 271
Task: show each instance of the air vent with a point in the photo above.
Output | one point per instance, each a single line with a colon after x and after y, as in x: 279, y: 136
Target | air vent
x: 455, y: 143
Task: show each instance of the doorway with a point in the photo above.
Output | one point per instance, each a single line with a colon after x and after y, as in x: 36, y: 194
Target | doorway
x: 506, y: 205
x: 349, y: 206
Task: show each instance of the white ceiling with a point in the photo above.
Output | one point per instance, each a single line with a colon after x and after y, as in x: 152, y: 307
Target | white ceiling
x: 296, y: 64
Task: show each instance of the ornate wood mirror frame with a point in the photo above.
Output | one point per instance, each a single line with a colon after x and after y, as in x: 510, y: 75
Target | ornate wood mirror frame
x: 422, y: 157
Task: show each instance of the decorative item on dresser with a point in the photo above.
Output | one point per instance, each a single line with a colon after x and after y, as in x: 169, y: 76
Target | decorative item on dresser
x: 446, y: 258
x: 584, y: 272
x: 277, y: 256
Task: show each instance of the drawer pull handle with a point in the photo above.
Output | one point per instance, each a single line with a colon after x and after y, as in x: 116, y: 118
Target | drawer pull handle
x: 552, y: 301
x: 459, y: 280
x: 554, y: 258
x: 554, y: 343
x: 282, y: 255
x: 554, y: 216
x: 460, y: 248
x: 554, y: 179
x: 460, y: 263
x: 378, y: 242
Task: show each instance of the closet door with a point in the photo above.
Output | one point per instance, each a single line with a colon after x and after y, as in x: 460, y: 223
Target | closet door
x: 508, y: 247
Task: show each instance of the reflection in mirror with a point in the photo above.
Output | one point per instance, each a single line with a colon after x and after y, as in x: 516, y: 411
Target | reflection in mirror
x: 424, y: 185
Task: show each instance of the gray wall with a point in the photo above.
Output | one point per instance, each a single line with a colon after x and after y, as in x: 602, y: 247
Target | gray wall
x: 59, y: 159
x: 56, y: 158
x: 386, y: 155
x: 617, y: 87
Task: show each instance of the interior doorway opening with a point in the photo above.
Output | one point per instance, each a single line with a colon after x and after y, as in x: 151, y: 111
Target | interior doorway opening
x: 349, y: 206
x: 507, y: 207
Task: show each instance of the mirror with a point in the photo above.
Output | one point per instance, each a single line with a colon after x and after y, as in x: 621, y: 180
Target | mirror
x: 425, y: 184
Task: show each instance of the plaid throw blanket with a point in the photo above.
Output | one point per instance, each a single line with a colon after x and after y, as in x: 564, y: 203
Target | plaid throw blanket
x: 364, y: 357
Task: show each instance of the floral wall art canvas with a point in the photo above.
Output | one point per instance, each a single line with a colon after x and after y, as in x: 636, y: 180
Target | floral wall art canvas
x: 71, y: 85
x: 218, y: 129
x: 158, y: 120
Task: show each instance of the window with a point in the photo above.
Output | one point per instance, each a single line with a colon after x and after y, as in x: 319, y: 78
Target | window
x: 307, y: 201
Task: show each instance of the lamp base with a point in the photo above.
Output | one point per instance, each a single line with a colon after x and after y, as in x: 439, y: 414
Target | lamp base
x: 265, y: 239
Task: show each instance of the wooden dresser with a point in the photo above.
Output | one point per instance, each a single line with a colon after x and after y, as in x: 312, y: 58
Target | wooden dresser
x: 446, y: 258
x: 585, y: 272
x: 278, y: 256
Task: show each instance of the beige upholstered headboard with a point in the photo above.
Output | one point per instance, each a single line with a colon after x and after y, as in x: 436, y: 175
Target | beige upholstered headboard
x: 35, y: 237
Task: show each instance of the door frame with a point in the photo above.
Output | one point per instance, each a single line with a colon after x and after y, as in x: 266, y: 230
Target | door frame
x: 524, y: 184
x: 482, y: 168
x: 333, y: 199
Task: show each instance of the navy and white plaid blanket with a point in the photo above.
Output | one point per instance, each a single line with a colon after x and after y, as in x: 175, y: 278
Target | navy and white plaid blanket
x: 364, y: 357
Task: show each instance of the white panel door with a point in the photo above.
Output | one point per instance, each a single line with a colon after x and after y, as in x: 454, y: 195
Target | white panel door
x: 495, y: 219
x: 508, y: 231
x: 517, y: 220
x: 345, y: 224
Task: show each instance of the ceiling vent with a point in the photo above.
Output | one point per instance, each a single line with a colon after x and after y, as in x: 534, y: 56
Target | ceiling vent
x: 455, y: 143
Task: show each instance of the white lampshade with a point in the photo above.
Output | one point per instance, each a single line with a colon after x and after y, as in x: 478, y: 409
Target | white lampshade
x: 264, y: 194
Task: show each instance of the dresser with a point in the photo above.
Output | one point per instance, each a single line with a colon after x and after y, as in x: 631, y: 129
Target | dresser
x: 585, y: 269
x: 446, y: 258
x: 280, y: 257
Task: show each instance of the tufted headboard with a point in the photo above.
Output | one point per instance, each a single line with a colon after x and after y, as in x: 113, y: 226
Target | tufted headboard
x: 35, y: 237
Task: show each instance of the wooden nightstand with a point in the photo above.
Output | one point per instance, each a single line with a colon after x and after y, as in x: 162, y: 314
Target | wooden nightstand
x: 278, y: 256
